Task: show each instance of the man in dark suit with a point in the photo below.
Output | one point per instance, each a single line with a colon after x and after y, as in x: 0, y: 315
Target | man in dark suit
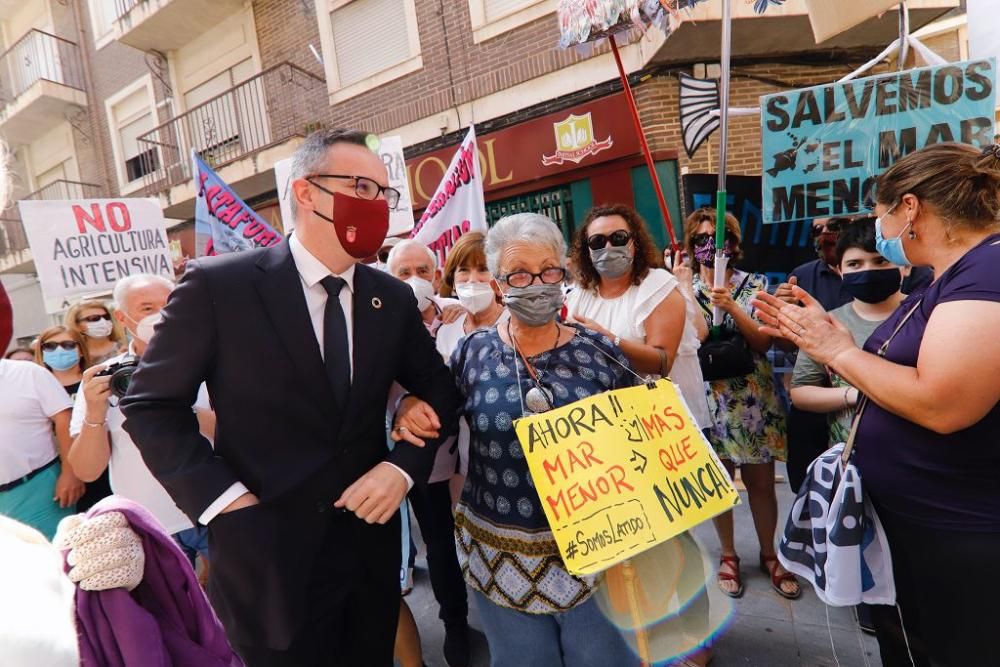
x: 299, y: 345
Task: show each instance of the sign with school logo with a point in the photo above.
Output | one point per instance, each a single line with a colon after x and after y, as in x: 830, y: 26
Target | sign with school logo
x: 824, y: 147
x: 85, y: 246
x: 620, y: 472
x: 575, y: 141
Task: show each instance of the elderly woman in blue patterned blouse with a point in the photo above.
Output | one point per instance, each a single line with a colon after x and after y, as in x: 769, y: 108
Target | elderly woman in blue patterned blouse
x: 533, y: 611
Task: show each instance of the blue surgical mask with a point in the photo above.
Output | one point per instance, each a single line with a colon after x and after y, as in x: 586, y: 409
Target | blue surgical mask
x: 60, y: 359
x: 892, y: 249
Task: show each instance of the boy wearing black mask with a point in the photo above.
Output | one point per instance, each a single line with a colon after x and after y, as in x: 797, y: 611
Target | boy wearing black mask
x: 873, y: 284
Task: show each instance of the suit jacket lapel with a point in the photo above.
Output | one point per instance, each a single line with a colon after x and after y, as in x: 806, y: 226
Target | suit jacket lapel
x: 280, y: 288
x: 367, y: 322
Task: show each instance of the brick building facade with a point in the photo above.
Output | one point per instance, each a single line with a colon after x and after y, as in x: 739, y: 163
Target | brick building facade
x: 195, y: 66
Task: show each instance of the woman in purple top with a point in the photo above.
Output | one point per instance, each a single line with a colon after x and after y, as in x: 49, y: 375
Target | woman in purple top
x: 928, y: 443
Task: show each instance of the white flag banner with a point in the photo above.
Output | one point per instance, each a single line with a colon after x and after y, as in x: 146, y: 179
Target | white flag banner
x: 282, y: 178
x: 458, y: 205
x: 401, y: 217
x: 984, y: 38
x: 87, y: 245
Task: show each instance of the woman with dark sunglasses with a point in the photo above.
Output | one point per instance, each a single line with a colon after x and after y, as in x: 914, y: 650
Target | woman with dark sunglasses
x: 621, y: 293
x: 64, y: 353
x: 93, y: 321
x: 748, y: 425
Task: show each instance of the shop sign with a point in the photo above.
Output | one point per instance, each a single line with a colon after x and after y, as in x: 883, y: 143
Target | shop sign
x: 588, y: 134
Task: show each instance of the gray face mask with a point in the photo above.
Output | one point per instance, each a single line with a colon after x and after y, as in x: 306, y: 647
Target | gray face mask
x: 612, y: 262
x: 535, y: 305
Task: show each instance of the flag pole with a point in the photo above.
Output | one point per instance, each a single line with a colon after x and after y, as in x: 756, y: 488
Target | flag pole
x: 630, y: 98
x: 721, y: 260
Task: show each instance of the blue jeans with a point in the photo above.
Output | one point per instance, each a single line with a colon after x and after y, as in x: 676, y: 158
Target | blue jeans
x: 580, y: 637
x: 193, y: 541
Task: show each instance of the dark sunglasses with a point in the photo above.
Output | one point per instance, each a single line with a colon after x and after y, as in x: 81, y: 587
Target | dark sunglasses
x: 617, y: 239
x: 94, y: 318
x: 50, y: 346
x: 833, y: 226
x: 702, y: 239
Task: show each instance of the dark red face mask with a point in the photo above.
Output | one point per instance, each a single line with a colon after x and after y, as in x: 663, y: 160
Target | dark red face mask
x: 361, y: 224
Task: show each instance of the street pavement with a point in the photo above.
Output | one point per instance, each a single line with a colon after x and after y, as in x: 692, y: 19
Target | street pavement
x: 765, y: 631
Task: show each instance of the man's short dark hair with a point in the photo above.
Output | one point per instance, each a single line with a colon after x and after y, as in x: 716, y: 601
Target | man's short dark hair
x: 310, y: 157
x: 856, y: 234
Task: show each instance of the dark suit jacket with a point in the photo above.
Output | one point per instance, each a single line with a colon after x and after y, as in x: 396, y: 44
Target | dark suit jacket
x: 240, y: 323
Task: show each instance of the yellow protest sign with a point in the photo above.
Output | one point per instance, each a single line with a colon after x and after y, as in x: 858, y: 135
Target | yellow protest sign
x: 620, y: 472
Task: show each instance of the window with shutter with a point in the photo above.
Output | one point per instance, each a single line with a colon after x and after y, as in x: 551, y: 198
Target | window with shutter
x: 369, y: 36
x: 139, y: 159
x: 131, y: 115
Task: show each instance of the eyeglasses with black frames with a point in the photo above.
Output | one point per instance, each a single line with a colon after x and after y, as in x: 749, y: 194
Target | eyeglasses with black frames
x: 364, y: 188
x: 551, y: 276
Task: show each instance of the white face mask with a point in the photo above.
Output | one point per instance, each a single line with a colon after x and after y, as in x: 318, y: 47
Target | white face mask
x: 475, y: 297
x: 423, y: 290
x: 99, y: 329
x: 145, y: 328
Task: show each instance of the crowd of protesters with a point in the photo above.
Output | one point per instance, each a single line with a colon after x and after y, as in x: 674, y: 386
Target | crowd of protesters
x: 277, y: 431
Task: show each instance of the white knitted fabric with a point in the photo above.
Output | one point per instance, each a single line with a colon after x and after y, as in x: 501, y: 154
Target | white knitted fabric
x: 104, y: 552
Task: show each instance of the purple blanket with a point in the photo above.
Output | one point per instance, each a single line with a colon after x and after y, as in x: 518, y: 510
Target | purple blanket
x: 165, y: 621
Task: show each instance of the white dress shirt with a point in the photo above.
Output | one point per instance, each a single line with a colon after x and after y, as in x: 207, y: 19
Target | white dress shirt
x: 311, y: 272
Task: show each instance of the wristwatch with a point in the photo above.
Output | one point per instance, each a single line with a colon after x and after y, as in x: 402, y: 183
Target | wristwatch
x: 618, y: 341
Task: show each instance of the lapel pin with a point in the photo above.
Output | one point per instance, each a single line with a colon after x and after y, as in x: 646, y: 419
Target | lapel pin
x: 376, y: 302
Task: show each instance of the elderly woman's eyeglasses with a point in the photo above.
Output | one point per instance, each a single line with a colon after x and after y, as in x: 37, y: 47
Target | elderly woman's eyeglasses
x: 51, y: 345
x: 364, y: 188
x: 551, y: 276
x: 617, y: 238
x: 92, y: 319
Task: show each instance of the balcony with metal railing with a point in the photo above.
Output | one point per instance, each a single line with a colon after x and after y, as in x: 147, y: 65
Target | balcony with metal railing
x: 263, y: 113
x: 15, y: 255
x: 41, y: 80
x: 164, y: 25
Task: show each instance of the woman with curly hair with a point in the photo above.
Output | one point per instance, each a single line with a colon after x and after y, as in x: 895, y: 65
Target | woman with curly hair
x: 621, y: 293
x: 748, y: 420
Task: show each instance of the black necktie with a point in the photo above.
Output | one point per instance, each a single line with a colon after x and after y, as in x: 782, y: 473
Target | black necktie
x: 335, y: 349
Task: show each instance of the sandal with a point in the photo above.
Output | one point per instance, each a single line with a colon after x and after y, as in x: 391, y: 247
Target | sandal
x: 734, y: 563
x: 778, y: 579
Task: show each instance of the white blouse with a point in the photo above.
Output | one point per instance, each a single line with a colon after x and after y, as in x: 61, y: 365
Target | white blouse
x: 626, y: 316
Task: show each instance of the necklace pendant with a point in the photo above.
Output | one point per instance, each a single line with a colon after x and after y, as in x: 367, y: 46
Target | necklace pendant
x: 538, y: 400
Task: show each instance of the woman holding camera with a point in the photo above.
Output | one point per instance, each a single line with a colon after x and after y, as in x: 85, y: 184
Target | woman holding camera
x: 748, y: 425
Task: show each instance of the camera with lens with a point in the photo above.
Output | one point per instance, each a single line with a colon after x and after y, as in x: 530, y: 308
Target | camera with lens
x: 121, y: 375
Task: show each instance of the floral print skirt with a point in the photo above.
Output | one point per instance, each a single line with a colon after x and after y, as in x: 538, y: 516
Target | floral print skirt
x: 749, y: 421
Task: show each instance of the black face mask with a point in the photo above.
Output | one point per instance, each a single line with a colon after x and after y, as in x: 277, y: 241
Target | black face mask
x: 873, y: 286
